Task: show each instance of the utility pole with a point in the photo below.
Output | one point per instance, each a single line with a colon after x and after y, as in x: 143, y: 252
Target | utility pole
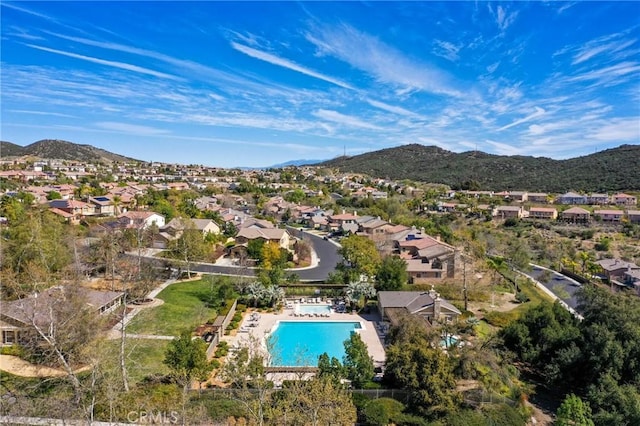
x: 464, y: 281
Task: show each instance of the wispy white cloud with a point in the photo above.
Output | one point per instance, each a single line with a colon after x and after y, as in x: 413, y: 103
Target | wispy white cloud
x: 493, y: 67
x: 446, y: 50
x: 285, y: 63
x: 502, y: 17
x: 134, y: 129
x: 345, y: 120
x: 51, y: 113
x: 609, y: 75
x: 597, y: 47
x: 11, y: 5
x: 564, y: 7
x: 618, y: 130
x: 114, y: 64
x: 391, y: 108
x: 539, y: 112
x: 502, y: 148
x: 385, y: 63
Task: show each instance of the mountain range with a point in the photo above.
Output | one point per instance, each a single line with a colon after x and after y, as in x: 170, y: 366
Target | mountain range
x: 615, y: 169
x: 61, y: 150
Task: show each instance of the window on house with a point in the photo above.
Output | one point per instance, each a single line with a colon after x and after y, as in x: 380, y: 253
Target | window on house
x: 8, y: 337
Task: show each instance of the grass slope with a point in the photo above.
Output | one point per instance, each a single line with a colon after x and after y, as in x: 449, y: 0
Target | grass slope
x: 183, y: 308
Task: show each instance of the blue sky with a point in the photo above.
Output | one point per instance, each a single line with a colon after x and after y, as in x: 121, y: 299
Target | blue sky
x: 259, y: 83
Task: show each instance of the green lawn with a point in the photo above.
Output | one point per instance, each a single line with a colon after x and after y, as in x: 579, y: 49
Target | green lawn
x: 183, y: 308
x: 535, y: 295
x: 144, y: 357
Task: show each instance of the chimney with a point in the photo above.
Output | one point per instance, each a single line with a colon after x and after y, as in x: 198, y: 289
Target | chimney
x: 436, y: 307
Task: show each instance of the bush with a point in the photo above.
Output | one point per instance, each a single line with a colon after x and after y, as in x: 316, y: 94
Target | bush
x: 503, y: 414
x: 383, y: 411
x: 360, y: 400
x: 512, y: 221
x: 237, y: 317
x: 215, y: 363
x: 522, y: 298
x: 499, y: 319
x: 15, y: 350
x: 220, y: 352
x: 227, y: 307
x: 241, y: 307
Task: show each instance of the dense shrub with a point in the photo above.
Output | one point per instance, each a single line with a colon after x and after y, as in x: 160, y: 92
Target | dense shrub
x: 227, y: 307
x: 382, y: 411
x: 499, y: 319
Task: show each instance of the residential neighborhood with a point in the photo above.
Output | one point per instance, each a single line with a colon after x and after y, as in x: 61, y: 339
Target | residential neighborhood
x: 293, y: 245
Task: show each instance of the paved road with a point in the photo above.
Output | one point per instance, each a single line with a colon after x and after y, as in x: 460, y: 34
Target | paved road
x: 560, y: 285
x: 326, y: 252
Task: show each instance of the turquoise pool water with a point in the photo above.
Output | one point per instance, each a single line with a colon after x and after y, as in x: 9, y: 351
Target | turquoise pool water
x: 313, y: 309
x: 300, y: 343
x: 448, y: 341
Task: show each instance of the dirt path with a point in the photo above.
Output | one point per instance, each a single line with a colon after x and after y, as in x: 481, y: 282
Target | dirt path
x: 19, y: 367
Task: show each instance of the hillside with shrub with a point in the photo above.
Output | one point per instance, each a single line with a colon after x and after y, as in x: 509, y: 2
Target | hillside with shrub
x: 616, y: 169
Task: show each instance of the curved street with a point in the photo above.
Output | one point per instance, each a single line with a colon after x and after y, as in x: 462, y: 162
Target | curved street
x: 325, y: 253
x: 560, y: 286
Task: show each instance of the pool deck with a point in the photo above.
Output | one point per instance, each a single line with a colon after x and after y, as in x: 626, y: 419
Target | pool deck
x: 258, y: 328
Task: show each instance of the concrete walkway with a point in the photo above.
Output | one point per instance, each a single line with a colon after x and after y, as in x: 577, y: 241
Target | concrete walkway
x: 116, y: 330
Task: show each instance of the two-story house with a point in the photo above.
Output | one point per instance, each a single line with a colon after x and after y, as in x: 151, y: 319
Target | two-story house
x: 548, y: 213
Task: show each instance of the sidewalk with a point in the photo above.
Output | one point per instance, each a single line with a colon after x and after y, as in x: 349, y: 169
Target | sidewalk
x: 117, y: 328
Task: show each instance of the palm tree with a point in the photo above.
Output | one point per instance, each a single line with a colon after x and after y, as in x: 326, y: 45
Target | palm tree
x: 274, y: 294
x: 117, y: 202
x: 357, y: 290
x: 498, y: 265
x: 585, y: 259
x: 255, y: 291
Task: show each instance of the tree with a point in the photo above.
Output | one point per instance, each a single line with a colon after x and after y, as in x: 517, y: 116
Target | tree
x: 187, y: 361
x: 330, y: 368
x: 54, y: 195
x: 255, y: 291
x: 273, y: 259
x: 274, y: 295
x: 246, y: 374
x: 574, y: 412
x: 358, y: 365
x: 316, y: 402
x: 35, y: 251
x: 190, y: 246
x: 414, y: 363
x: 254, y: 248
x: 392, y: 274
x: 61, y: 325
x: 361, y: 255
x: 357, y: 290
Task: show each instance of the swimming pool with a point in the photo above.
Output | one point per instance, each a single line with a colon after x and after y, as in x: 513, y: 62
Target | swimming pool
x: 312, y: 309
x: 300, y: 343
